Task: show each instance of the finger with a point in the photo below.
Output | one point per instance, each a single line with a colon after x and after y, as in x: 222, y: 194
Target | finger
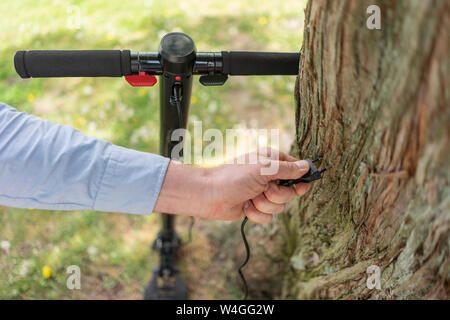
x: 236, y: 213
x: 254, y: 215
x: 262, y: 204
x: 286, y: 169
x: 279, y: 194
x: 302, y: 188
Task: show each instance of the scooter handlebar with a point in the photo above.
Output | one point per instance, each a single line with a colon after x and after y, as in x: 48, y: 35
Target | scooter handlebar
x: 245, y: 63
x: 72, y: 63
x: 117, y: 63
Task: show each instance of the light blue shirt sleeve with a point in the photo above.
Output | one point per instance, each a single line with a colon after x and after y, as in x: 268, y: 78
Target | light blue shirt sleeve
x: 51, y: 166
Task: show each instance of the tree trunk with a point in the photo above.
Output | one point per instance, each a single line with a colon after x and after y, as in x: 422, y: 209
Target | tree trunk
x: 375, y: 104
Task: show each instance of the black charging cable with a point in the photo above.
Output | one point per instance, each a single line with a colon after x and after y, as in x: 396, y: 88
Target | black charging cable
x: 247, y: 250
x: 312, y: 175
x: 175, y: 99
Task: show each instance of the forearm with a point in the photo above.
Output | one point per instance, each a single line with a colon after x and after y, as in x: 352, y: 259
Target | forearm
x: 185, y: 190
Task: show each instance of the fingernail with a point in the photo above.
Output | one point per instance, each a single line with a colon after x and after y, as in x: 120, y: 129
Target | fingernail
x: 246, y: 204
x: 302, y: 164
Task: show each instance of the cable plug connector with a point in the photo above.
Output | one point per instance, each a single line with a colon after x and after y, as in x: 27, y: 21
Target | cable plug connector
x: 312, y: 175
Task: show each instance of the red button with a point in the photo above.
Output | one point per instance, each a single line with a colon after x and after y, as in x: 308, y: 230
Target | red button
x: 177, y: 78
x: 141, y: 80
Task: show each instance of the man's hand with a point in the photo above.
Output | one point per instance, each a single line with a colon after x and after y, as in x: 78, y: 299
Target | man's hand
x: 248, y: 187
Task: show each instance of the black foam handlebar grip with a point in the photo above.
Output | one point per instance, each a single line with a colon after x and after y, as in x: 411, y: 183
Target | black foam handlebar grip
x: 72, y: 63
x: 244, y: 63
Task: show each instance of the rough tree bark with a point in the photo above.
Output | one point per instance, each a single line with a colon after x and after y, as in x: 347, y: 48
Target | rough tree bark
x: 375, y: 104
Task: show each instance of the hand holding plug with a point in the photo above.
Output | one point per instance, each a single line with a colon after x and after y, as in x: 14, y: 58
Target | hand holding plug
x: 312, y: 175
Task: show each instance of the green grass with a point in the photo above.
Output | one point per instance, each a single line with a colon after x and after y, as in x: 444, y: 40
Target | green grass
x: 113, y: 249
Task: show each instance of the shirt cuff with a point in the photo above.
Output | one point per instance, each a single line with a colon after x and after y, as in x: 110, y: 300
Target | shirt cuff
x: 131, y: 181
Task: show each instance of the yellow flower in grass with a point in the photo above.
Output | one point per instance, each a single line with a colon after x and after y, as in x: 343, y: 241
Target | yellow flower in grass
x: 30, y: 97
x: 80, y: 122
x: 262, y: 20
x: 46, y: 272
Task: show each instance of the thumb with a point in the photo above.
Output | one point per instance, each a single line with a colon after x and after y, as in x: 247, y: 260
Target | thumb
x: 291, y: 169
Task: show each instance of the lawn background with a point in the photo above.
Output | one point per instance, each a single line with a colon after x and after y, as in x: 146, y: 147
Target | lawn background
x: 111, y: 249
